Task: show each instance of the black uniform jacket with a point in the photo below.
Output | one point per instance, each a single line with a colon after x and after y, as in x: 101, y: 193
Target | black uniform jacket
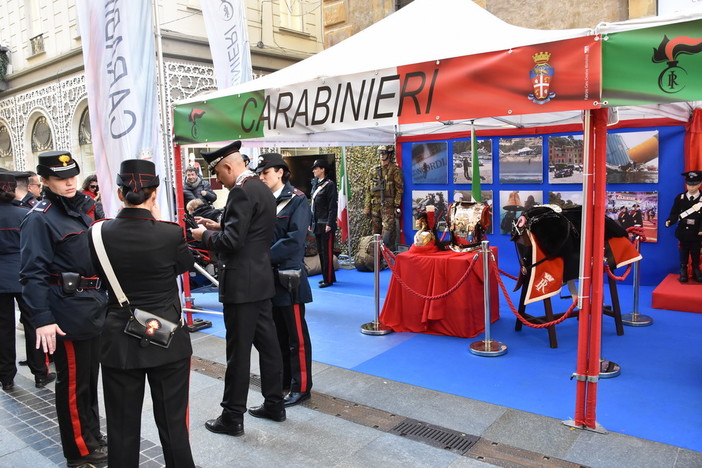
x: 11, y: 216
x: 288, y: 250
x: 324, y: 205
x: 688, y: 228
x: 54, y: 240
x: 243, y: 245
x: 146, y: 255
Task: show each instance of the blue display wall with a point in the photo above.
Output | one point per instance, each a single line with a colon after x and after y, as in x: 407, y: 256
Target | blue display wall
x: 437, y: 168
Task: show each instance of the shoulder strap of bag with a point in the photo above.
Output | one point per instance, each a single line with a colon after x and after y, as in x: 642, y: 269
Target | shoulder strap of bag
x: 96, y: 232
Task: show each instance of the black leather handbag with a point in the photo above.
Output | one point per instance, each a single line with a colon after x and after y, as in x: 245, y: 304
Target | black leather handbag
x: 147, y: 327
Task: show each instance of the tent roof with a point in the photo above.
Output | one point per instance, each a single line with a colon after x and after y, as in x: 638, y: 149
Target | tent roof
x: 427, y: 30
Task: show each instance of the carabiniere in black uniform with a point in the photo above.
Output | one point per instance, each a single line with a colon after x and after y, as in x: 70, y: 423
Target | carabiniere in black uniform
x: 60, y: 286
x: 686, y: 212
x: 146, y: 255
x: 324, y: 205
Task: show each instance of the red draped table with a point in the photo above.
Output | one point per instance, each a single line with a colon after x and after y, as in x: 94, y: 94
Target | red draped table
x: 461, y: 313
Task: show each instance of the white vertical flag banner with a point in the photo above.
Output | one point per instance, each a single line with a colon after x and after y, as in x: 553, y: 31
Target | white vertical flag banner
x: 225, y: 21
x: 120, y: 78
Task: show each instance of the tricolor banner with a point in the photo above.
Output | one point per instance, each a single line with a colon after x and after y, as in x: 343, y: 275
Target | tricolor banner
x: 120, y: 78
x: 549, y: 77
x: 653, y: 65
x: 227, y: 31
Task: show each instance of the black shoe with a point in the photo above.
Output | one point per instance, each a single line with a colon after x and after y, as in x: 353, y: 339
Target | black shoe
x: 24, y: 363
x: 219, y: 427
x: 98, y: 458
x: 263, y: 412
x: 325, y: 284
x: 41, y: 381
x: 295, y: 398
x: 697, y: 274
x: 8, y: 385
x: 683, y: 274
x: 320, y: 281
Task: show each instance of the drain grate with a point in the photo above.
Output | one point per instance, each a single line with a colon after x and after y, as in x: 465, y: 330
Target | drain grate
x: 436, y: 436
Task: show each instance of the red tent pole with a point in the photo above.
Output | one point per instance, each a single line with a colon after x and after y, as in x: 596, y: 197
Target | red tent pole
x: 600, y: 201
x: 585, y: 273
x: 180, y: 214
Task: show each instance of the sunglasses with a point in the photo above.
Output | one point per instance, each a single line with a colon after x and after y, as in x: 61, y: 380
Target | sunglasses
x: 93, y: 186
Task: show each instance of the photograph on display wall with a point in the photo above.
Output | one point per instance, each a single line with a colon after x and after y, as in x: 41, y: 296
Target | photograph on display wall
x: 467, y: 196
x: 632, y: 157
x: 521, y: 160
x: 565, y: 159
x: 423, y: 198
x: 565, y: 199
x: 430, y: 163
x: 513, y: 202
x: 635, y: 209
x: 463, y: 161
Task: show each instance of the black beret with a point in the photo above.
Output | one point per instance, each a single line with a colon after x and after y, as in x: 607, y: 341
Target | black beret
x: 270, y: 160
x: 137, y: 174
x: 57, y: 164
x: 214, y: 157
x: 693, y: 177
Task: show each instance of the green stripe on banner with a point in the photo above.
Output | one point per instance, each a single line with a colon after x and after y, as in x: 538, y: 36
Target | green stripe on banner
x: 653, y: 65
x: 226, y: 118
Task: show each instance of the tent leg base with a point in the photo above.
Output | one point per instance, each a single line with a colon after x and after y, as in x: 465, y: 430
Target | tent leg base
x: 598, y: 428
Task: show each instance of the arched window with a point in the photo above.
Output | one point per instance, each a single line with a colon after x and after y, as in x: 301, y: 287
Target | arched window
x: 6, y: 149
x: 42, y: 139
x: 85, y: 140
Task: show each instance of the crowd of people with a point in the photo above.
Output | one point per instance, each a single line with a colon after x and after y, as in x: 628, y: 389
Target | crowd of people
x: 101, y: 295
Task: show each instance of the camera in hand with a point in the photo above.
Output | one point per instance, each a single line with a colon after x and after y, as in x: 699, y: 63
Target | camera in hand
x: 190, y: 222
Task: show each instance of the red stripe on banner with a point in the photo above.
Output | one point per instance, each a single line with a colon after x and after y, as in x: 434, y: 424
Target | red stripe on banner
x: 301, y: 350
x: 72, y: 399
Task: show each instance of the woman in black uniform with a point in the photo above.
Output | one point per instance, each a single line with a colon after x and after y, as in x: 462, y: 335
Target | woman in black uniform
x: 146, y: 255
x: 324, y: 205
x: 292, y: 290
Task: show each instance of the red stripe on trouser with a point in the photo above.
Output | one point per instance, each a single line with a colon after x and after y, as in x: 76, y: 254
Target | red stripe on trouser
x: 72, y: 399
x: 330, y: 257
x: 301, y: 349
x: 187, y: 406
x: 46, y: 362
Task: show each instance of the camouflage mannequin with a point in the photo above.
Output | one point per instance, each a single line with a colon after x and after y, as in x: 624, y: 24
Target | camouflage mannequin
x: 383, y: 196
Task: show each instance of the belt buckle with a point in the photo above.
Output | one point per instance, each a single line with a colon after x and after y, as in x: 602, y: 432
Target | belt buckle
x: 98, y: 283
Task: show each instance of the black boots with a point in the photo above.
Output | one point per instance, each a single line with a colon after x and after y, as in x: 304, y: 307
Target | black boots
x: 683, y: 274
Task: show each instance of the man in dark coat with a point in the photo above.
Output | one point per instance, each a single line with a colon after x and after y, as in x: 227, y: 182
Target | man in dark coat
x: 67, y: 302
x: 242, y: 241
x: 11, y: 217
x: 194, y: 187
x: 687, y: 212
x: 325, y: 199
x: 292, y: 290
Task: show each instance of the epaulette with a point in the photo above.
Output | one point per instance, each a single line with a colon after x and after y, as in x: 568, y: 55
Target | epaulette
x: 43, y: 206
x: 169, y: 222
x: 297, y: 192
x: 99, y: 221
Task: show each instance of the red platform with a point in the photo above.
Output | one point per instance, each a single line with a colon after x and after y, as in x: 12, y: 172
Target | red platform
x: 671, y: 294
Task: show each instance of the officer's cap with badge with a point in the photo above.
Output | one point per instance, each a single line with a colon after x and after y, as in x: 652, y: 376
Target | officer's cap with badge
x: 137, y: 174
x: 7, y: 181
x: 322, y: 164
x: 57, y: 164
x: 214, y: 157
x: 271, y: 160
x: 693, y: 177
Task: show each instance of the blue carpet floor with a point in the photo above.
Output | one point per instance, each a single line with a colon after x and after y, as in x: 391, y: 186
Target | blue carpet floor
x: 658, y: 395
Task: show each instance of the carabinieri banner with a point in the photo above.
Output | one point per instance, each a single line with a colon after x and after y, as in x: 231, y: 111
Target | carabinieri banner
x: 653, y: 65
x: 550, y: 77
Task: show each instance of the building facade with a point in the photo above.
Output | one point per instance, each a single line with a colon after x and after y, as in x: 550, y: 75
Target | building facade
x: 43, y: 99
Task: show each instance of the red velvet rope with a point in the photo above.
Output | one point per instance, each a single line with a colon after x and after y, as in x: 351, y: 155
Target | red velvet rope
x: 508, y: 275
x: 390, y: 259
x: 638, y: 233
x: 524, y: 320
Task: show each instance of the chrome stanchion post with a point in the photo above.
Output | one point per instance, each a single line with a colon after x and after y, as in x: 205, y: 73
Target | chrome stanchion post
x: 375, y: 327
x: 487, y: 346
x: 634, y: 319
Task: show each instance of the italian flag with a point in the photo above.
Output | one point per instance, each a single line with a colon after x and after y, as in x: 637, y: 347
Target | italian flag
x: 342, y: 213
